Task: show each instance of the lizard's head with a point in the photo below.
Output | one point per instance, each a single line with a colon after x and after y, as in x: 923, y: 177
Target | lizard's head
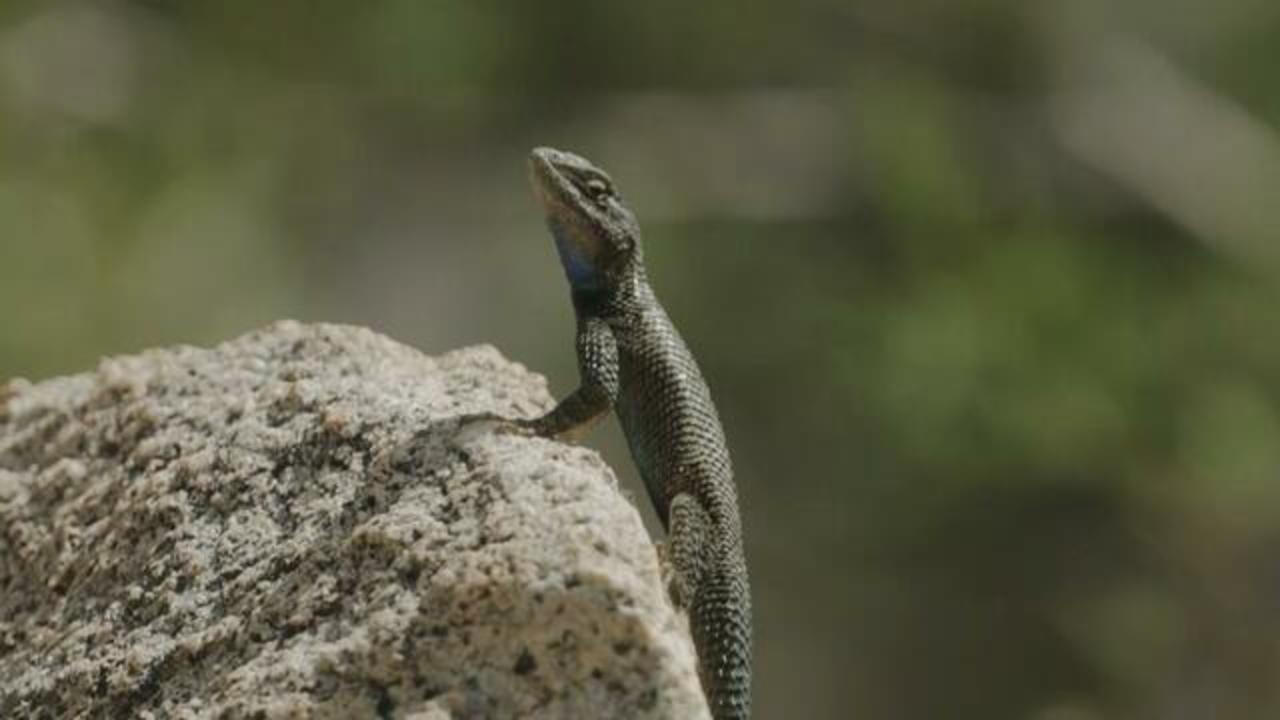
x: 596, y: 235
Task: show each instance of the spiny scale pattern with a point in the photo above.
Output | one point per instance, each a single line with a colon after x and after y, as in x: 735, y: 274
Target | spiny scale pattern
x: 631, y: 357
x: 678, y: 445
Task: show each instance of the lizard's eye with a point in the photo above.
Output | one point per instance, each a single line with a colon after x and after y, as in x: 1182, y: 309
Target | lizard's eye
x: 598, y: 189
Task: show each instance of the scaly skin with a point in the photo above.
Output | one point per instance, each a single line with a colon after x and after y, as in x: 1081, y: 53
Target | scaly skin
x: 632, y: 359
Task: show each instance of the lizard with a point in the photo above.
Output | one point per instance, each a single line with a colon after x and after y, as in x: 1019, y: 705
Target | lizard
x: 632, y: 360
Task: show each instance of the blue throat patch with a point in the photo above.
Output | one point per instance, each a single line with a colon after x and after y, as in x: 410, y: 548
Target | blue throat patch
x: 578, y: 264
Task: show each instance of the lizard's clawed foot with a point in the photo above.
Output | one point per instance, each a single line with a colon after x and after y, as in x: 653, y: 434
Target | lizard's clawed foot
x: 496, y: 423
x: 667, y: 573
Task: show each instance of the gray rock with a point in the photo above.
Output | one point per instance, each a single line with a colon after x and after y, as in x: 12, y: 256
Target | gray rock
x: 289, y: 525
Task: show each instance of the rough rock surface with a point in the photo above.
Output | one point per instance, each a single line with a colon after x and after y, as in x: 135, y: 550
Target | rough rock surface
x: 289, y: 525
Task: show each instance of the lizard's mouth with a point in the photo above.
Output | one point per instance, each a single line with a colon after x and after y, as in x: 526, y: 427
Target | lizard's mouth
x: 555, y: 188
x: 579, y: 235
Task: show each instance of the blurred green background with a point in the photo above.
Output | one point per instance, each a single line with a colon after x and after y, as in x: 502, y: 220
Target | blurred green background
x: 986, y: 289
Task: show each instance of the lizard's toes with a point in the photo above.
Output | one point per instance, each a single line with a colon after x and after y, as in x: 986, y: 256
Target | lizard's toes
x: 492, y: 423
x: 670, y: 578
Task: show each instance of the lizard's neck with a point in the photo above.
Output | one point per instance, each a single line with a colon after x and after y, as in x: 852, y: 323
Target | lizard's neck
x: 620, y: 299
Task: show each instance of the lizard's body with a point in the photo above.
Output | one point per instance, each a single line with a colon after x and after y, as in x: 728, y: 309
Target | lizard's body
x: 632, y: 359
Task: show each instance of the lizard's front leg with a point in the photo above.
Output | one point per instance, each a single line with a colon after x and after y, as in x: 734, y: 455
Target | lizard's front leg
x: 598, y: 368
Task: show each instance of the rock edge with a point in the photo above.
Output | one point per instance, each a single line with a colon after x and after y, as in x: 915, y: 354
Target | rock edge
x: 290, y: 525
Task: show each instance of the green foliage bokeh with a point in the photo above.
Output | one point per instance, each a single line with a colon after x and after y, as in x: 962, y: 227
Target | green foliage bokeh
x: 985, y: 289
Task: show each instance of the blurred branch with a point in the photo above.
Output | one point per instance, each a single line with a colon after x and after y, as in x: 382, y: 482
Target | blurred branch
x: 1195, y: 155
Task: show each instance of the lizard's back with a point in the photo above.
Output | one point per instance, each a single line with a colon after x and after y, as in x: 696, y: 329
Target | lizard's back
x: 667, y: 413
x: 678, y: 445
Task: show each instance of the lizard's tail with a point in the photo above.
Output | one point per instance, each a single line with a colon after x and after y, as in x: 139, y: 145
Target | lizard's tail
x: 720, y: 618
